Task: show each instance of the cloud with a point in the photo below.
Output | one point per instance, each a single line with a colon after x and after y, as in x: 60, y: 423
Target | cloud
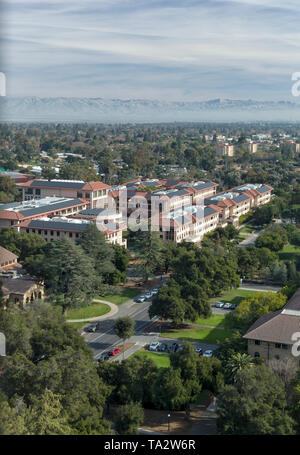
x: 167, y: 49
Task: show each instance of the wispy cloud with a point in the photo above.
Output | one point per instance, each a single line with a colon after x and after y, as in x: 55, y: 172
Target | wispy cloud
x: 167, y: 49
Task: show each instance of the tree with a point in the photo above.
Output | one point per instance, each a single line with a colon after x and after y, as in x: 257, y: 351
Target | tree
x: 254, y: 404
x: 22, y: 244
x: 150, y: 254
x: 46, y: 416
x: 295, y: 238
x: 237, y: 362
x: 69, y: 274
x: 129, y: 418
x: 250, y: 309
x: 168, y: 304
x: 97, y: 249
x: 8, y: 190
x: 274, y: 241
x: 10, y: 422
x: 186, y: 362
x: 124, y: 328
x: 169, y: 391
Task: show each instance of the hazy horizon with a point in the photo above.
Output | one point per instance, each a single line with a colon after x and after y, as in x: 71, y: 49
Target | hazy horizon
x: 155, y: 50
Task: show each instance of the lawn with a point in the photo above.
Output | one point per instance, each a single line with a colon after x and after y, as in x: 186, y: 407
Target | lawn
x: 125, y: 294
x: 233, y: 296
x: 289, y: 253
x: 247, y: 229
x: 91, y: 311
x: 203, y: 334
x: 160, y: 360
x: 216, y: 320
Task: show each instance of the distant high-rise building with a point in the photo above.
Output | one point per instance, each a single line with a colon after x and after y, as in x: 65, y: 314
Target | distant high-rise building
x: 225, y: 149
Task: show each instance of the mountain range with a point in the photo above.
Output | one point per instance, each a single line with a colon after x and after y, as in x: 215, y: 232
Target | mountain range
x: 100, y: 110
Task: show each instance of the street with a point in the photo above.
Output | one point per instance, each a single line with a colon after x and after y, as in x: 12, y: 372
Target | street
x: 105, y: 337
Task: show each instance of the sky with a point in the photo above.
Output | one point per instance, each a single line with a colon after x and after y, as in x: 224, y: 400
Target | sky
x: 167, y: 50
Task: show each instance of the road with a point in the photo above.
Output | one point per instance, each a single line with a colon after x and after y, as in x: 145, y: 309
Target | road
x: 251, y: 239
x: 105, y: 337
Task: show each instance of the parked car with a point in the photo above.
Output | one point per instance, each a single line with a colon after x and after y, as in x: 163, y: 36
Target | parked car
x: 207, y: 353
x: 154, y: 345
x: 140, y: 299
x: 173, y: 347
x: 113, y: 352
x: 219, y: 304
x: 199, y: 350
x: 92, y: 328
x: 148, y: 295
x: 233, y: 306
x: 227, y: 306
x: 162, y: 348
x: 103, y: 356
x: 154, y: 291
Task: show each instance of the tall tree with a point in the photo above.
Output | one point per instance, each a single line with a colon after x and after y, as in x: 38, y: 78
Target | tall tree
x: 124, y: 328
x: 254, y: 404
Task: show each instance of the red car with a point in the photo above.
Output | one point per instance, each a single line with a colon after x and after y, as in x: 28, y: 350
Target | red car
x: 113, y: 352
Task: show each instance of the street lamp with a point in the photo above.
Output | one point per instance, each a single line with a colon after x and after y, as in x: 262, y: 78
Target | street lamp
x: 169, y: 415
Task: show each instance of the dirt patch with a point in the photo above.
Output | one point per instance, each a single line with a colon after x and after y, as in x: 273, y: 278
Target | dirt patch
x: 157, y: 420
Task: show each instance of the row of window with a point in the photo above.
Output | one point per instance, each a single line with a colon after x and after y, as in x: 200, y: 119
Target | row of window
x: 45, y: 232
x: 277, y: 345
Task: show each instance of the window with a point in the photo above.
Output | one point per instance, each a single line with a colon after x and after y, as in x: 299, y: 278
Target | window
x: 70, y: 234
x: 51, y: 232
x: 58, y: 233
x: 277, y: 356
x: 79, y: 194
x: 277, y: 345
x: 256, y: 354
x: 87, y: 195
x: 38, y: 192
x: 257, y: 342
x: 284, y: 346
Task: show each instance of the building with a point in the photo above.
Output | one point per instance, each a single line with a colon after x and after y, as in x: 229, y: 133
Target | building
x: 17, y: 286
x: 259, y: 193
x: 17, y: 177
x: 270, y: 337
x: 7, y: 259
x: 93, y: 192
x: 54, y: 228
x: 251, y: 147
x: 225, y: 149
x: 189, y: 224
x: 12, y: 214
x: 21, y: 290
x: 232, y: 205
x: 239, y: 201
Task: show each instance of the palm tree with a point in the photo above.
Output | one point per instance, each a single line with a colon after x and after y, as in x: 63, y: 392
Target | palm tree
x: 236, y: 363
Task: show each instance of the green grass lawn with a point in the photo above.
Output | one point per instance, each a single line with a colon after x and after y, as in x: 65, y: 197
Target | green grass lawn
x: 160, y: 360
x: 247, y: 229
x: 234, y: 296
x: 91, y: 311
x: 216, y: 320
x: 205, y: 335
x: 125, y: 294
x: 288, y: 253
